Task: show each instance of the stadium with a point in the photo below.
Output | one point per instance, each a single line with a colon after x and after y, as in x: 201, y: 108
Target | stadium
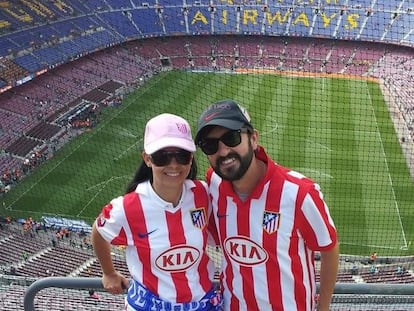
x: 329, y: 85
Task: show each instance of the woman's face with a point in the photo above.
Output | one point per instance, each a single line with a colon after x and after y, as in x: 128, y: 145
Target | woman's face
x: 170, y: 167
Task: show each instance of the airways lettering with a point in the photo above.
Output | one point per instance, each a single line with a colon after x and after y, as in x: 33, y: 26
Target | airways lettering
x: 279, y: 17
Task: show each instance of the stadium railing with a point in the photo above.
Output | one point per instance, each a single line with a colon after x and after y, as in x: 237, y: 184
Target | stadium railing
x: 381, y: 290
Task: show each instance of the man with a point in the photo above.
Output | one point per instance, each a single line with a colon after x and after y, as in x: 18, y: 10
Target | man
x: 270, y: 220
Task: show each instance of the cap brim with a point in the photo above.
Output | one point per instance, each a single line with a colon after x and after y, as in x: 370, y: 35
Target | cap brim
x: 170, y: 142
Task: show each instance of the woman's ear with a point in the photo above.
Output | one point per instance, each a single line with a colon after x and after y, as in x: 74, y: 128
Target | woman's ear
x: 146, y: 159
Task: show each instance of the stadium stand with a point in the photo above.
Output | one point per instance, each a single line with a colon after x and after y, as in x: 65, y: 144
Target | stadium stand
x: 57, y: 299
x: 40, y: 251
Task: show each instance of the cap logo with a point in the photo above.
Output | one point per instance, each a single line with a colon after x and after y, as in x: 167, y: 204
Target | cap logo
x: 220, y: 106
x: 182, y: 127
x: 216, y: 107
x: 211, y: 116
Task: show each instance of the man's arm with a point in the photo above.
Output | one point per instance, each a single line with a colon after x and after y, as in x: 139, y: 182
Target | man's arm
x: 328, y: 275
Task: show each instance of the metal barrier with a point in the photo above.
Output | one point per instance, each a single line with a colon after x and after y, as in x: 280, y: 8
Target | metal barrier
x: 96, y: 283
x: 60, y: 282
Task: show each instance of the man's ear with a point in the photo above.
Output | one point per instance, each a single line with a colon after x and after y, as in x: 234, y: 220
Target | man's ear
x: 254, y: 138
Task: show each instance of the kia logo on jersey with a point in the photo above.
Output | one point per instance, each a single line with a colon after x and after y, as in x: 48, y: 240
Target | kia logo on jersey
x: 245, y: 251
x: 177, y: 259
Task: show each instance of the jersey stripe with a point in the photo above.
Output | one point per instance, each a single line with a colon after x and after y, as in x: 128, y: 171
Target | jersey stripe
x: 270, y: 243
x: 177, y: 237
x: 136, y: 221
x: 243, y: 221
x: 297, y: 253
x: 201, y: 199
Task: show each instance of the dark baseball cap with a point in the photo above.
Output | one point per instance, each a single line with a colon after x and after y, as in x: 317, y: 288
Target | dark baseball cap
x: 226, y: 113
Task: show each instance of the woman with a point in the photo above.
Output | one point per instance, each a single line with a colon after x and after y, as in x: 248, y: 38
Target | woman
x: 163, y: 220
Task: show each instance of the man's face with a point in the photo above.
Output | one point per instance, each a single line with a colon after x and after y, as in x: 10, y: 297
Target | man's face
x: 231, y: 163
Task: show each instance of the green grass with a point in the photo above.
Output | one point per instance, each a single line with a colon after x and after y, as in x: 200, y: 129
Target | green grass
x: 336, y: 131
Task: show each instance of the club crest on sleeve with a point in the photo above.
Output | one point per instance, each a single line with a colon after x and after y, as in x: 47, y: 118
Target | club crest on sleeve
x: 198, y: 217
x: 271, y: 221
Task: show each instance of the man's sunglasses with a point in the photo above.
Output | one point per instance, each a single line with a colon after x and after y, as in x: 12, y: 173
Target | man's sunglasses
x: 164, y: 157
x: 231, y: 138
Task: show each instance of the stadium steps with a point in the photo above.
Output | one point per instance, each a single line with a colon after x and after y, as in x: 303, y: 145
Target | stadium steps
x: 84, y: 267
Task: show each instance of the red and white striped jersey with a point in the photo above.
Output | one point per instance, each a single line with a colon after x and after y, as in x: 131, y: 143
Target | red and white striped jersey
x: 269, y: 240
x: 165, y: 245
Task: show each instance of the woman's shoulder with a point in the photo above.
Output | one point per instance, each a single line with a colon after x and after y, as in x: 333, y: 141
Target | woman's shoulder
x: 196, y: 183
x: 197, y: 186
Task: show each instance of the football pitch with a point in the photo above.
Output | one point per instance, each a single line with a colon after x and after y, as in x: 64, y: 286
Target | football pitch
x: 336, y: 131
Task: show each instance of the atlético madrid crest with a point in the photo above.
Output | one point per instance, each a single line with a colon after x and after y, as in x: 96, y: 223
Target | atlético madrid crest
x: 100, y: 221
x: 198, y: 216
x: 271, y: 221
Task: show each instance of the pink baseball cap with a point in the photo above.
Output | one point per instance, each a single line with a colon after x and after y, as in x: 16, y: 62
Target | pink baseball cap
x: 167, y: 130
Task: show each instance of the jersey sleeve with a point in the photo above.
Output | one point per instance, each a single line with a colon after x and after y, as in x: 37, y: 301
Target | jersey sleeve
x: 209, y: 173
x: 318, y: 228
x: 110, y: 222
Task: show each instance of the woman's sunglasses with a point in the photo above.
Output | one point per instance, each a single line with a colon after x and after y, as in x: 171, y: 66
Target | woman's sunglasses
x: 231, y: 138
x: 164, y: 157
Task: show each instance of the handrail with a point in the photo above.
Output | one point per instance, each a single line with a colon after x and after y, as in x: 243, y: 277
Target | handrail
x: 60, y: 282
x: 96, y: 283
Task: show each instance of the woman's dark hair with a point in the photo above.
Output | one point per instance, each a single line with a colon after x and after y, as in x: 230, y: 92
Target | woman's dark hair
x: 144, y: 173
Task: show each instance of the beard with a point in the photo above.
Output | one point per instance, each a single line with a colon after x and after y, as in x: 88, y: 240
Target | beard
x: 234, y: 173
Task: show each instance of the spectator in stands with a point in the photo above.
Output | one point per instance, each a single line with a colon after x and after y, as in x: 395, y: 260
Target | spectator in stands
x: 271, y: 219
x: 87, y: 242
x: 25, y: 256
x: 373, y: 257
x: 163, y: 220
x: 82, y: 233
x: 93, y: 294
x: 354, y: 270
x: 66, y: 233
x: 399, y: 270
x: 13, y: 270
